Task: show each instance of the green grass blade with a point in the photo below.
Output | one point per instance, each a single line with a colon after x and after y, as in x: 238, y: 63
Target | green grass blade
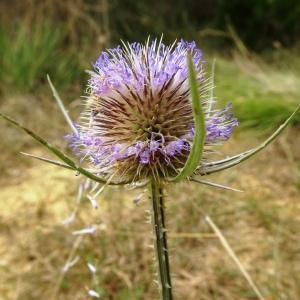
x: 58, y: 153
x: 61, y: 106
x: 199, y: 138
x: 236, y: 159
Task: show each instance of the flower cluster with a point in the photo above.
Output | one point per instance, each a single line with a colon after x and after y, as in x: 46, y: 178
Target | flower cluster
x: 138, y: 119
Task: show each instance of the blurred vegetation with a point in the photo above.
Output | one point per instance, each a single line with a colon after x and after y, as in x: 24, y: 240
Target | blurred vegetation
x: 28, y: 54
x: 261, y: 23
x: 62, y: 38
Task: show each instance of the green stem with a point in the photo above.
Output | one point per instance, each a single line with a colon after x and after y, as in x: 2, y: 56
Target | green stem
x: 161, y: 246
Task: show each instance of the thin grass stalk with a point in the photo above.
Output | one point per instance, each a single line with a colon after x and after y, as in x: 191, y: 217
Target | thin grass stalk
x: 160, y: 240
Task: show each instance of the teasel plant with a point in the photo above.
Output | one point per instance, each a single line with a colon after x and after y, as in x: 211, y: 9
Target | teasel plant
x: 150, y: 119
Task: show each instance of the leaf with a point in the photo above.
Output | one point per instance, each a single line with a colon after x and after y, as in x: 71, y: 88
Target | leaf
x: 61, y: 106
x: 236, y: 159
x: 59, y: 153
x: 195, y: 154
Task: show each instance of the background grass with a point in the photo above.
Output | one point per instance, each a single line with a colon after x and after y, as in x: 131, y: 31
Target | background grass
x: 30, y: 53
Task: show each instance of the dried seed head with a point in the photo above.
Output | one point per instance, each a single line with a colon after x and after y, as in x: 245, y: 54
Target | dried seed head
x: 138, y: 119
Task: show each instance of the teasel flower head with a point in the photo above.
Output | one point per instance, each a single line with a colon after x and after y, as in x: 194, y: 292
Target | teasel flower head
x: 149, y: 114
x: 138, y: 120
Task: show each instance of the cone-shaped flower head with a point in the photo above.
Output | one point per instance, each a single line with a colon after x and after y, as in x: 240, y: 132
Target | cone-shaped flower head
x: 138, y: 119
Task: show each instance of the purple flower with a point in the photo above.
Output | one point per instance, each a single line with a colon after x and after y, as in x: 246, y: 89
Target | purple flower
x: 145, y: 156
x: 138, y: 119
x: 219, y: 126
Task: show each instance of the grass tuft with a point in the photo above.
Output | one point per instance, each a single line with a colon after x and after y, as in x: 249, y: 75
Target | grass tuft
x: 30, y: 52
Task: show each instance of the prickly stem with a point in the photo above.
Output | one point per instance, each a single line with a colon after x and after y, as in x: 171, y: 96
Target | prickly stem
x: 160, y: 240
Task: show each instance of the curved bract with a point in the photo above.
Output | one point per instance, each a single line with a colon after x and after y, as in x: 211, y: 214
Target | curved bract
x: 229, y: 162
x: 196, y: 152
x: 59, y: 154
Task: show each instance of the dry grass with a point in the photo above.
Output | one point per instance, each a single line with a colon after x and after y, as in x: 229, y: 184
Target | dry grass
x: 261, y: 225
